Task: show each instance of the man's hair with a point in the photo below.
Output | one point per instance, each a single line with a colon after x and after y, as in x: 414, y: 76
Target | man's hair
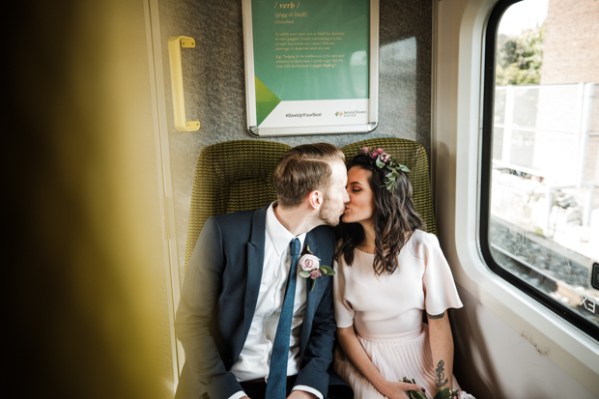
x: 303, y: 169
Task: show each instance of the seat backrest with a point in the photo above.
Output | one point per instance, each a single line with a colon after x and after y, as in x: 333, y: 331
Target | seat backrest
x: 237, y: 175
x: 413, y: 155
x: 231, y: 176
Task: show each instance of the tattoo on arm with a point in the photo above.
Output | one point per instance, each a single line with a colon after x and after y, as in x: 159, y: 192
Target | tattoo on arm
x: 440, y: 379
x: 436, y: 316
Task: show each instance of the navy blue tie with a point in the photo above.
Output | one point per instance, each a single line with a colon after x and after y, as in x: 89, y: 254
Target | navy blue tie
x: 277, y: 378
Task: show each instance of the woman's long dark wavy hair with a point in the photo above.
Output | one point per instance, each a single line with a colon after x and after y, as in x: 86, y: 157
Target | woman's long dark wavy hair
x: 395, y: 218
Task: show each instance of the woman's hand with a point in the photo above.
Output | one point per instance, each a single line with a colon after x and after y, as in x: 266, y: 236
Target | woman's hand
x: 399, y: 389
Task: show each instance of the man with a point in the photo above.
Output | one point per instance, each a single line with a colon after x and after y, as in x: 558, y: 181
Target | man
x: 234, y: 293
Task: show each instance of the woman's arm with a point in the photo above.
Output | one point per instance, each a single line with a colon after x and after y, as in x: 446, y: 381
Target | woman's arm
x: 357, y: 355
x: 441, y: 342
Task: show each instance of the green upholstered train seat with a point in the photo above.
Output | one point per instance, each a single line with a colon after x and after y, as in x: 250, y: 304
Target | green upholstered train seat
x: 237, y: 175
x: 413, y: 155
x: 231, y: 176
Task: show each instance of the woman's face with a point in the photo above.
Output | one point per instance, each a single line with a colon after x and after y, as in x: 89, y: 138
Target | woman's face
x: 360, y: 208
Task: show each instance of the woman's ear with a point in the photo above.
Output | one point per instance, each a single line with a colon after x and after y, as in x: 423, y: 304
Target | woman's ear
x: 315, y: 198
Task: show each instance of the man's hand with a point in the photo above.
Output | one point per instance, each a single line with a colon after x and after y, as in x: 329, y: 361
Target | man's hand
x: 299, y: 394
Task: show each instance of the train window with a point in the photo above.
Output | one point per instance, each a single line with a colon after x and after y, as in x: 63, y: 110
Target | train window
x: 540, y: 153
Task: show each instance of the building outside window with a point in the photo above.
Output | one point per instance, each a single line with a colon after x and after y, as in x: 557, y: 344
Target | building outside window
x: 542, y: 153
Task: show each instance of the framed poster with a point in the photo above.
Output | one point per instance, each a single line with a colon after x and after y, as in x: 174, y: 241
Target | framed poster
x: 311, y: 66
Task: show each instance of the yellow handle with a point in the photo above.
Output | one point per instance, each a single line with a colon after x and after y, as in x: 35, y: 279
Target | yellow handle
x: 174, y: 55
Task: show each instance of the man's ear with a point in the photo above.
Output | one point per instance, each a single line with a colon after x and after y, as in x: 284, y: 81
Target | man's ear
x: 315, y: 199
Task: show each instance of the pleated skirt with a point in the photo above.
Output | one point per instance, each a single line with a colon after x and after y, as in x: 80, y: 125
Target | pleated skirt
x: 395, y: 358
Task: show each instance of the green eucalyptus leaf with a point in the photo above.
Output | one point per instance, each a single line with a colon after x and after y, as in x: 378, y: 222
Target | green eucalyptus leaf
x: 446, y: 393
x: 327, y: 270
x: 304, y: 274
x: 414, y: 394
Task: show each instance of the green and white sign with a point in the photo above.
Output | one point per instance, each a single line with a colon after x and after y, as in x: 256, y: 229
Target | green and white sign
x: 311, y: 66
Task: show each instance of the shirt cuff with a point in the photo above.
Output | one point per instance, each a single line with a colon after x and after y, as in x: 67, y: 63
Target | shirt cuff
x: 238, y: 395
x: 311, y: 390
x: 315, y: 392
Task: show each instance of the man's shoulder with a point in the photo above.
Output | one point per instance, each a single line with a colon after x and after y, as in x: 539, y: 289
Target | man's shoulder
x: 323, y: 232
x: 234, y: 216
x: 238, y: 219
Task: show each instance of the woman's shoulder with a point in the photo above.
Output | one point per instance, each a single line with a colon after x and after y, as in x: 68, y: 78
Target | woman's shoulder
x: 421, y: 242
x: 424, y: 238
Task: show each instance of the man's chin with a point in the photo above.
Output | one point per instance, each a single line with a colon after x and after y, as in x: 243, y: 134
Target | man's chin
x: 331, y: 221
x: 334, y: 222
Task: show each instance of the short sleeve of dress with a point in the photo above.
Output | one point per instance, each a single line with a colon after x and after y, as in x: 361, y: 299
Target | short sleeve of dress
x: 440, y: 290
x: 344, y: 314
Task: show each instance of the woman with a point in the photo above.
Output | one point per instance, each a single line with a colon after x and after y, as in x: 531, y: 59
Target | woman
x: 389, y: 272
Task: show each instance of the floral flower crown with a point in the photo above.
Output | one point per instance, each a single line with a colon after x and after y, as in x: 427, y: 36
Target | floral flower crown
x: 387, y: 163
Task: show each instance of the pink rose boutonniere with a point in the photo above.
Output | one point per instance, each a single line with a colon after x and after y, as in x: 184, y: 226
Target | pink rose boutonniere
x: 310, y: 267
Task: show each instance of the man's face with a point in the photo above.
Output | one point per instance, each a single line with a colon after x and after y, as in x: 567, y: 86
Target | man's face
x: 335, y: 195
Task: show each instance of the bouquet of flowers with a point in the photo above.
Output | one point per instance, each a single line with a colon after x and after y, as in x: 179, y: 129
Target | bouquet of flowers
x: 445, y: 393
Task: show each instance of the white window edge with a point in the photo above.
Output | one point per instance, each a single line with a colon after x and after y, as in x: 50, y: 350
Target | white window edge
x: 459, y: 133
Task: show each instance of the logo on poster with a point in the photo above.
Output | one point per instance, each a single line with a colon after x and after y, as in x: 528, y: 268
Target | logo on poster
x: 348, y: 114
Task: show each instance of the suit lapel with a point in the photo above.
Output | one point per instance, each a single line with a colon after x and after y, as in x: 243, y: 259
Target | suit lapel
x: 254, y: 264
x: 312, y: 291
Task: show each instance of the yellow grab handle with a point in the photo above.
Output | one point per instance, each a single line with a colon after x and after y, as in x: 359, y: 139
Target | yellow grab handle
x: 174, y: 55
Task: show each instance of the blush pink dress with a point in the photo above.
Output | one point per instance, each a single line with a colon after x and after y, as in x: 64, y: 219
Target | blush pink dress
x: 387, y: 312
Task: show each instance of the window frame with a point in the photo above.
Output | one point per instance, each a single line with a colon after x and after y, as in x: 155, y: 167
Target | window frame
x: 486, y: 168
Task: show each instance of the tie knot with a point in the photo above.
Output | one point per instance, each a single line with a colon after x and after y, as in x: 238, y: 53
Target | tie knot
x: 295, y: 247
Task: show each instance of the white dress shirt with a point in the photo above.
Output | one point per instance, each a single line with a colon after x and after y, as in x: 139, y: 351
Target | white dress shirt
x: 254, y: 359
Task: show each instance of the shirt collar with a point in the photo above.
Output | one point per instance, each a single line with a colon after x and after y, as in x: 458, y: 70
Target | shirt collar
x: 279, y: 235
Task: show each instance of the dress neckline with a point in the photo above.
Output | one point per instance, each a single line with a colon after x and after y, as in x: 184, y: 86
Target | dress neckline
x: 364, y: 252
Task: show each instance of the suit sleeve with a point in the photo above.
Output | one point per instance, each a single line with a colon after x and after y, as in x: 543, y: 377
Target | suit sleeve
x: 194, y: 317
